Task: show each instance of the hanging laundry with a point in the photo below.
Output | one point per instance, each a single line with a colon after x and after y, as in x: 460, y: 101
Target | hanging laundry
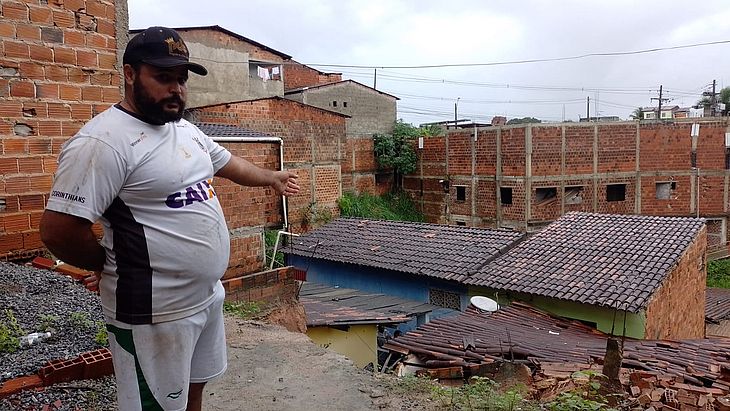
x: 263, y: 73
x: 275, y: 70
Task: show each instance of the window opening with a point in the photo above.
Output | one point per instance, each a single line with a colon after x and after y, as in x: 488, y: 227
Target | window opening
x: 460, y: 193
x: 573, y: 195
x: 545, y: 194
x: 664, y: 189
x: 506, y: 194
x: 616, y: 192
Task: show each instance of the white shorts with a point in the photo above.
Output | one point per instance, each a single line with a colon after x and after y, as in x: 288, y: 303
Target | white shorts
x: 155, y: 363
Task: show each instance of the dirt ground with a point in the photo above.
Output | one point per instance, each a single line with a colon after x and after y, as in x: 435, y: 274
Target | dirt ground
x: 270, y: 368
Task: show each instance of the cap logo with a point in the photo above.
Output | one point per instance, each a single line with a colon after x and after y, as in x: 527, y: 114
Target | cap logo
x: 176, y: 48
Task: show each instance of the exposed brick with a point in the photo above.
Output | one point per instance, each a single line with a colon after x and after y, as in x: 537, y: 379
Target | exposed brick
x: 41, y: 183
x: 8, y: 165
x: 74, y: 38
x: 9, y: 243
x: 85, y: 22
x: 64, y: 19
x: 81, y: 111
x: 17, y: 185
x: 59, y: 110
x: 22, y: 89
x: 96, y: 8
x: 56, y: 73
x: 74, y: 5
x: 69, y: 92
x: 7, y: 29
x: 9, y: 108
x: 41, y: 15
x: 107, y: 61
x: 69, y: 128
x: 4, y: 88
x: 64, y: 55
x: 15, y: 50
x: 41, y: 53
x: 40, y: 146
x: 77, y: 75
x: 15, y: 11
x: 49, y: 91
x: 50, y: 165
x: 111, y: 94
x: 96, y: 40
x: 50, y: 128
x: 105, y: 26
x: 33, y: 71
x: 30, y: 165
x: 86, y: 58
x: 27, y: 32
x: 32, y: 240
x: 52, y: 35
x: 15, y: 146
x: 91, y: 93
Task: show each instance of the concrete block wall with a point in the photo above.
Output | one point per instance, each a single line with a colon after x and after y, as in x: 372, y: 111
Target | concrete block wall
x: 58, y: 68
x: 565, y: 156
x: 677, y: 310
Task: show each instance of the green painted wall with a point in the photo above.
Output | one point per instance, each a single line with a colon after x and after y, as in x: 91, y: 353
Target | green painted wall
x: 601, y: 316
x: 359, y: 343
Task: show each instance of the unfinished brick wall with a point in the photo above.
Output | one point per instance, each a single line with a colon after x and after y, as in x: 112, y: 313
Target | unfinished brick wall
x: 571, y: 156
x: 267, y: 287
x: 677, y: 309
x: 297, y: 75
x: 58, y: 68
x: 313, y: 139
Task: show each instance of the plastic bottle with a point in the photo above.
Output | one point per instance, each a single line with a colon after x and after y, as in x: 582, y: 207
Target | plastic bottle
x: 31, y: 338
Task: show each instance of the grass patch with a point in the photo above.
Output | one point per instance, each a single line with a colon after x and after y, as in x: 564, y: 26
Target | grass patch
x: 390, y: 206
x: 270, y: 241
x: 718, y: 273
x: 246, y: 310
x: 484, y: 394
x: 10, y: 331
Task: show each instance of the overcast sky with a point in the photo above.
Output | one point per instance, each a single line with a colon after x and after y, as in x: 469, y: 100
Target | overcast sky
x: 436, y: 32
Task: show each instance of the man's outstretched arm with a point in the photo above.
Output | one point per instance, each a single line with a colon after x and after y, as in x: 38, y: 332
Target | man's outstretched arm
x: 70, y: 239
x: 242, y: 172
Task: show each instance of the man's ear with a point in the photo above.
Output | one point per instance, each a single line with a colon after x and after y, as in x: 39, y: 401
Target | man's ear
x: 129, y: 74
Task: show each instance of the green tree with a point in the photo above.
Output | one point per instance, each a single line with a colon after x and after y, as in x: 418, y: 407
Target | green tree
x: 396, y: 150
x: 523, y: 120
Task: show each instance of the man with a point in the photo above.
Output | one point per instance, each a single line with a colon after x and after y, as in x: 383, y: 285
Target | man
x: 146, y: 174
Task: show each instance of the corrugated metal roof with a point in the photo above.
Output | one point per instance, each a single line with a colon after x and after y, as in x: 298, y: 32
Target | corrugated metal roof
x: 434, y: 250
x: 474, y: 337
x: 597, y: 259
x: 717, y: 304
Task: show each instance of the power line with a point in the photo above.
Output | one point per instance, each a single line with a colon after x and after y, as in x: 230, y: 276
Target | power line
x: 526, y: 61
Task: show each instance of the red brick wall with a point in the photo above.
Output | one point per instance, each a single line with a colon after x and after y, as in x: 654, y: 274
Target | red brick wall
x: 665, y: 152
x: 298, y: 75
x: 313, y: 139
x: 546, y: 147
x: 58, y: 60
x: 677, y: 309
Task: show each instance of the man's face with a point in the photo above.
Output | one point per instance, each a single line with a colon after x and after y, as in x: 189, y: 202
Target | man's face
x: 160, y: 93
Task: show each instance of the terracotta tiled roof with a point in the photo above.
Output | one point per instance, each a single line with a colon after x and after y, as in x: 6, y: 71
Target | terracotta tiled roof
x: 364, y: 300
x: 527, y: 333
x: 598, y: 259
x: 717, y: 304
x: 442, y: 251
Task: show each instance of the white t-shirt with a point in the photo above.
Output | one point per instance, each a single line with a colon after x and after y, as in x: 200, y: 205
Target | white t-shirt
x: 166, y: 240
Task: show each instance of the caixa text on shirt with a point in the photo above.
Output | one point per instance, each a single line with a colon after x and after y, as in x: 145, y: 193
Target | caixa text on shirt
x: 202, y: 191
x: 68, y: 196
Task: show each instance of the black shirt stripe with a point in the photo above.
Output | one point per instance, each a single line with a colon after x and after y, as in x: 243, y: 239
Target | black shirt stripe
x: 134, y: 286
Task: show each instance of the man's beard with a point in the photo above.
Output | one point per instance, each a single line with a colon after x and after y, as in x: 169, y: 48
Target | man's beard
x: 153, y: 111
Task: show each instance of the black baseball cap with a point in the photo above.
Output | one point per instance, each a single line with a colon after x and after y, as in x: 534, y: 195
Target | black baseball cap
x: 160, y: 47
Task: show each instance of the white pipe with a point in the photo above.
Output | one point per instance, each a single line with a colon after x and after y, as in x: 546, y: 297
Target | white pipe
x: 262, y: 139
x: 276, y: 245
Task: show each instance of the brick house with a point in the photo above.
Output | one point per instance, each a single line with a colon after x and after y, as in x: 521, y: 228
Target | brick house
x: 526, y: 176
x: 588, y: 267
x: 422, y: 262
x: 597, y: 268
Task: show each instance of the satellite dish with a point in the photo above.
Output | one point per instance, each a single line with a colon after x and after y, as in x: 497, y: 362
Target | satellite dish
x: 484, y: 303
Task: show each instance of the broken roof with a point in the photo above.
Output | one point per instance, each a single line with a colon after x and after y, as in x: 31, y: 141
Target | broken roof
x: 441, y: 251
x: 608, y: 260
x: 717, y: 304
x: 321, y: 313
x: 364, y: 300
x: 475, y: 336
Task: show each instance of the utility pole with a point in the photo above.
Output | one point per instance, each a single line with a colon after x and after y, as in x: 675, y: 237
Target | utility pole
x: 375, y: 79
x: 456, y: 106
x: 661, y: 100
x: 588, y: 108
x: 714, y: 97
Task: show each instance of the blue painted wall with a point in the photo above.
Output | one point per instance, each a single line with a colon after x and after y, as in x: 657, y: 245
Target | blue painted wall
x: 389, y: 282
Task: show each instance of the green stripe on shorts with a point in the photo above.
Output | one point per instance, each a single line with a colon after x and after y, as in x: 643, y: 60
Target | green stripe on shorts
x: 124, y: 339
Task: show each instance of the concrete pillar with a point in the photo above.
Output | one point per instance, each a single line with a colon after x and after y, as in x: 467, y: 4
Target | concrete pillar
x: 528, y: 175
